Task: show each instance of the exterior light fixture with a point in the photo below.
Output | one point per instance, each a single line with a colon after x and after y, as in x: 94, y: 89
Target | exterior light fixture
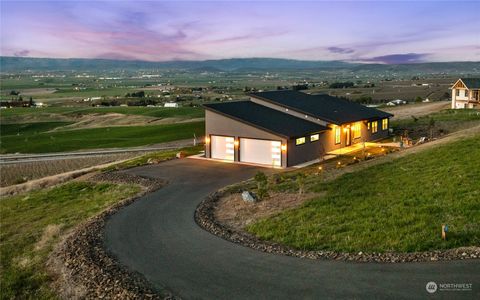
x: 236, y: 143
x: 207, y: 140
x: 284, y: 147
x: 320, y: 168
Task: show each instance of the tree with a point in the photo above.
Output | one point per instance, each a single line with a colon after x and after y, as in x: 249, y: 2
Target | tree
x: 30, y: 101
x: 418, y: 99
x: 262, y: 185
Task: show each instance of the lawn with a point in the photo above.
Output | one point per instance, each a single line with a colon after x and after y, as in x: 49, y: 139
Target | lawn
x: 396, y: 206
x: 33, y: 141
x: 32, y: 223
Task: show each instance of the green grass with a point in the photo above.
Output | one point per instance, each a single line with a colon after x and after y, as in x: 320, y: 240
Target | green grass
x: 396, y: 206
x: 25, y: 239
x: 29, y: 128
x: 158, y: 112
x: 156, y: 157
x: 94, y: 138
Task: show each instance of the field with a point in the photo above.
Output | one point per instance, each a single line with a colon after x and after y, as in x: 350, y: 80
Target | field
x: 396, y: 206
x: 32, y: 141
x: 32, y: 224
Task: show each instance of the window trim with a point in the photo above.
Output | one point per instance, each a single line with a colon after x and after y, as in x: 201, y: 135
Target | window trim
x: 385, y: 124
x: 338, y: 135
x: 374, y: 127
x: 314, y: 137
x: 298, y: 141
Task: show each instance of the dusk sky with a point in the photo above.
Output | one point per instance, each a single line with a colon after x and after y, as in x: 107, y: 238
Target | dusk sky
x: 360, y: 31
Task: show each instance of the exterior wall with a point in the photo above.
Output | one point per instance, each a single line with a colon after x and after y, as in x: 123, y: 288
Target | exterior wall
x: 305, y: 152
x: 217, y: 124
x: 288, y: 111
x: 466, y: 99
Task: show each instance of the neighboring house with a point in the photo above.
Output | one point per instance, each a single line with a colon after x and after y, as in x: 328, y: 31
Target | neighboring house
x: 466, y: 93
x: 287, y: 128
x: 170, y: 104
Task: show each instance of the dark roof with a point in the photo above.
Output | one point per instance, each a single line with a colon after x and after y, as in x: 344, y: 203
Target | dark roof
x: 325, y: 107
x: 471, y: 83
x: 266, y: 118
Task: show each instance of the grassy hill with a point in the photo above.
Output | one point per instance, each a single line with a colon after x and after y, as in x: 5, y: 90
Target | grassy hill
x: 396, y: 206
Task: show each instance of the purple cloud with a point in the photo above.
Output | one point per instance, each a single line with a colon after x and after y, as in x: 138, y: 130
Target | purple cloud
x: 21, y: 53
x: 340, y: 50
x: 408, y: 58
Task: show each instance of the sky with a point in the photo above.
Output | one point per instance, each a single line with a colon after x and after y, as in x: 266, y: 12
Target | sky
x: 355, y: 31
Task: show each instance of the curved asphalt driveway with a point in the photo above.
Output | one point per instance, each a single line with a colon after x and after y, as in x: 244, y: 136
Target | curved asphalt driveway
x: 158, y: 237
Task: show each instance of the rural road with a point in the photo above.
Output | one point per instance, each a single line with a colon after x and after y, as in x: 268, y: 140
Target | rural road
x: 158, y: 237
x: 26, y: 158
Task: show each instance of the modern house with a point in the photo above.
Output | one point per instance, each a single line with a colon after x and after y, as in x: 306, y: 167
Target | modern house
x: 287, y: 128
x: 466, y: 93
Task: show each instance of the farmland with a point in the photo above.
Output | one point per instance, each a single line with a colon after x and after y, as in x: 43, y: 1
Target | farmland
x: 33, y: 141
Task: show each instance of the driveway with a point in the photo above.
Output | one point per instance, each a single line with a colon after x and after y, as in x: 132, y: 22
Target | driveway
x: 158, y: 237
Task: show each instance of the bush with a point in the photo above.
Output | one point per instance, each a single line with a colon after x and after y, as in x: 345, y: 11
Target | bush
x: 262, y: 185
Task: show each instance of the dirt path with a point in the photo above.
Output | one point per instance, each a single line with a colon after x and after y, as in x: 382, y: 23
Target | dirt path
x: 421, y: 109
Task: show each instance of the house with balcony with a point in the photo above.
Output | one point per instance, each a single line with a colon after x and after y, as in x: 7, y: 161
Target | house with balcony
x: 287, y: 128
x: 466, y: 93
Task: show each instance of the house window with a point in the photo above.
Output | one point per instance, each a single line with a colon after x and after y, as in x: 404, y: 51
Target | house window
x: 300, y: 141
x: 384, y: 124
x: 314, y: 137
x: 458, y: 92
x: 356, y: 130
x: 368, y: 125
x: 374, y: 126
x: 337, y: 135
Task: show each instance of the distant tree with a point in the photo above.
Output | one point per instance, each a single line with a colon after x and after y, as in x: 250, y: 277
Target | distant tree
x: 14, y: 93
x: 30, y: 101
x: 341, y: 85
x: 418, y: 99
x: 446, y: 95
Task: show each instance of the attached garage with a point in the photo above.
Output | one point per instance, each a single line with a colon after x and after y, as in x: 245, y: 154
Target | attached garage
x: 264, y: 152
x: 223, y: 147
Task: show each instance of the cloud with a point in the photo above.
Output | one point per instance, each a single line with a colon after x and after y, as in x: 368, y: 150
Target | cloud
x: 21, y: 53
x: 407, y: 58
x: 340, y: 50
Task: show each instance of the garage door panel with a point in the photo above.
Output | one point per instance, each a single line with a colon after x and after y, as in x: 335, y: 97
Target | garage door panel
x: 222, y: 147
x: 265, y: 152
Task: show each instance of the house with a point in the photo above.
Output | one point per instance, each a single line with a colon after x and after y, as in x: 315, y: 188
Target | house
x: 466, y: 93
x: 170, y: 104
x: 396, y: 102
x: 286, y: 128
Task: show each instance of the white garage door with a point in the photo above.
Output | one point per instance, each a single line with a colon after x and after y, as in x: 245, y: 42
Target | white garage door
x: 223, y: 147
x: 261, y: 152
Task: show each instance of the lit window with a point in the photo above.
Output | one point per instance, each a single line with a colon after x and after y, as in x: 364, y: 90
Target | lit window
x: 300, y: 141
x: 368, y: 125
x: 374, y: 126
x: 337, y: 135
x: 357, y: 130
x: 314, y: 137
x: 384, y: 124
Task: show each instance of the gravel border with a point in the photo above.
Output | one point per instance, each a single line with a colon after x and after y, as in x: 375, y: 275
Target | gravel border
x: 205, y: 218
x: 84, y: 269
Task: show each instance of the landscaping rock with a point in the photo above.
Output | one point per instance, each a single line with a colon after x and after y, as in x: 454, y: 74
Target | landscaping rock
x: 249, y: 197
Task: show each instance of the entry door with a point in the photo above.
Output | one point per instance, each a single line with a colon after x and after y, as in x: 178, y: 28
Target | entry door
x: 222, y: 147
x: 348, y: 136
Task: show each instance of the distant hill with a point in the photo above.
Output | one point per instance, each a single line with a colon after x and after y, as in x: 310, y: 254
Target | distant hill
x: 21, y: 64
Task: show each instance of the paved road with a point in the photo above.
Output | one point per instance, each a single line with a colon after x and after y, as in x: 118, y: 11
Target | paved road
x: 26, y: 158
x: 158, y: 237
